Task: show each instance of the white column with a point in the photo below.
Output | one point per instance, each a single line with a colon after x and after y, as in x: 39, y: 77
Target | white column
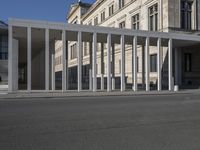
x: 64, y: 61
x: 53, y: 72
x: 46, y: 59
x: 134, y: 63
x: 147, y: 63
x: 159, y: 66
x: 122, y: 63
x: 113, y: 66
x: 90, y: 70
x: 79, y: 52
x: 176, y: 61
x: 108, y: 63
x: 67, y: 64
x: 10, y: 59
x: 29, y: 59
x: 102, y: 66
x: 170, y: 64
x: 143, y: 66
x: 94, y: 62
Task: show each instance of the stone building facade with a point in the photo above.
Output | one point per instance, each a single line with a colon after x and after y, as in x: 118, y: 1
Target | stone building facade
x: 154, y: 15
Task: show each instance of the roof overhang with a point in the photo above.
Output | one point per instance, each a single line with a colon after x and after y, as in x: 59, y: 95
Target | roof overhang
x: 179, y: 39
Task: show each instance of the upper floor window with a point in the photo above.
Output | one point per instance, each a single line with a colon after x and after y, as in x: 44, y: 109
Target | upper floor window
x: 122, y: 25
x: 73, y: 51
x: 136, y: 22
x: 111, y: 9
x: 186, y: 14
x: 153, y: 18
x: 103, y: 16
x: 96, y: 20
x: 121, y: 4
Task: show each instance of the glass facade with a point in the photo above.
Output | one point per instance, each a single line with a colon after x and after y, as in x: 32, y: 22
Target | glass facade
x: 3, y: 47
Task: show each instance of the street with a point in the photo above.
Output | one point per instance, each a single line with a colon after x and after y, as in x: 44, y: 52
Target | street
x: 150, y: 122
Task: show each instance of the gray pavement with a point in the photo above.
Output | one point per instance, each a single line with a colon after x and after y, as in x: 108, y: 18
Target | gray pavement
x: 134, y: 122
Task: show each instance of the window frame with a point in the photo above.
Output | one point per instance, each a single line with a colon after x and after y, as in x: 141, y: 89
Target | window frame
x: 153, y: 17
x: 122, y: 25
x: 135, y: 23
x: 186, y: 14
x: 153, y: 63
x: 111, y: 9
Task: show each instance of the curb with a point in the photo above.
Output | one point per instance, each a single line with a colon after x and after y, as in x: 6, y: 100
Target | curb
x: 82, y: 94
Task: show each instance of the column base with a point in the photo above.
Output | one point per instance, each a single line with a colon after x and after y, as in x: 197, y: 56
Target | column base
x: 102, y: 82
x: 113, y: 83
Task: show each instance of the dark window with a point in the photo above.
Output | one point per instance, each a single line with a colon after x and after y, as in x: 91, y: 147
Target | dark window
x: 186, y: 14
x: 103, y: 17
x: 111, y: 10
x: 153, y: 18
x: 3, y: 47
x: 122, y: 25
x: 153, y: 63
x: 136, y: 22
x: 121, y: 4
x: 96, y: 21
x: 188, y: 62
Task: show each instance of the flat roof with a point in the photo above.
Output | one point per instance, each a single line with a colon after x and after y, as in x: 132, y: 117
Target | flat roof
x: 179, y: 38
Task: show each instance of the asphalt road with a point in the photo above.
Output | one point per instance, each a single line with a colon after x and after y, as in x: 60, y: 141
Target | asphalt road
x: 101, y: 123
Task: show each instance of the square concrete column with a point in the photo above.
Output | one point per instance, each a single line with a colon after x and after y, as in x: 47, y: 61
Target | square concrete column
x: 147, y: 63
x: 53, y: 71
x: 134, y: 63
x: 159, y: 66
x: 90, y: 68
x: 67, y: 64
x: 12, y: 62
x: 29, y: 59
x: 113, y: 66
x: 10, y: 59
x: 122, y: 63
x: 79, y: 52
x: 94, y: 62
x: 46, y: 59
x: 108, y: 63
x: 102, y: 66
x: 64, y: 60
x: 170, y: 65
x: 143, y: 66
x: 178, y: 66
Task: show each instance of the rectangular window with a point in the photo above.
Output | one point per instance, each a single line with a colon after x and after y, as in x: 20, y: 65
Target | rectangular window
x: 96, y: 21
x: 186, y: 14
x: 3, y: 47
x: 136, y: 22
x: 85, y: 48
x: 122, y: 25
x: 111, y: 9
x: 153, y: 63
x: 121, y: 4
x: 73, y: 51
x: 103, y: 17
x: 188, y: 62
x: 153, y: 18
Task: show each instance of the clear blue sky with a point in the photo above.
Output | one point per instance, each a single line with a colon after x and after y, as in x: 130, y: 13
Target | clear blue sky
x: 50, y: 10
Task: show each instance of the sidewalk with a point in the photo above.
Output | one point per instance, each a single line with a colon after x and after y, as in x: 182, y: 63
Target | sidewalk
x: 60, y: 94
